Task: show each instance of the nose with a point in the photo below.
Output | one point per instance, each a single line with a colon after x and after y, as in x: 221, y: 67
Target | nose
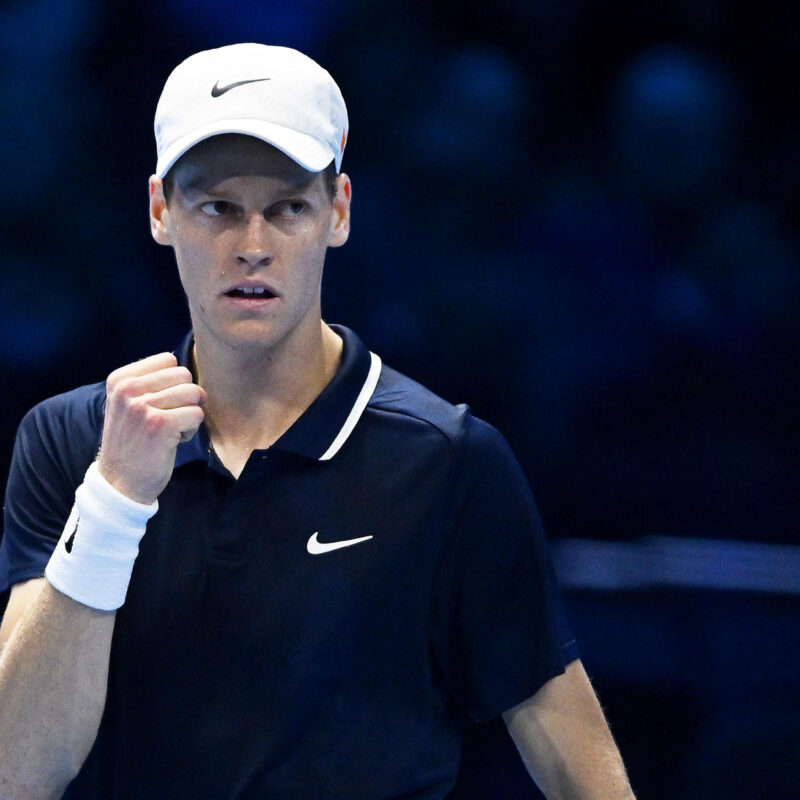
x: 255, y: 245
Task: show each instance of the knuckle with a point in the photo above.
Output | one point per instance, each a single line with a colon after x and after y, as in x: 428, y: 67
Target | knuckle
x: 113, y: 379
x: 154, y: 422
x: 127, y: 389
x: 122, y: 387
x: 137, y: 404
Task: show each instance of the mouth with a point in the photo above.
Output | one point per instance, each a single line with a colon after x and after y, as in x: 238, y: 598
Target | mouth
x: 251, y: 293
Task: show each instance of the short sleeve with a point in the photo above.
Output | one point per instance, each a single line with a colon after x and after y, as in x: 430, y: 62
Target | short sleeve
x: 55, y: 443
x: 500, y: 631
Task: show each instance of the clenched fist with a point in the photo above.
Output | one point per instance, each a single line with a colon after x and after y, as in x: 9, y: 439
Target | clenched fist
x: 151, y: 406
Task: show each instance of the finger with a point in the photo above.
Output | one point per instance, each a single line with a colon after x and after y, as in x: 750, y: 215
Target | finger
x: 184, y: 421
x: 156, y: 381
x: 144, y: 366
x: 188, y: 433
x: 184, y: 394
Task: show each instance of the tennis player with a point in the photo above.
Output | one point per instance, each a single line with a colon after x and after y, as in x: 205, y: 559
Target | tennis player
x: 266, y: 565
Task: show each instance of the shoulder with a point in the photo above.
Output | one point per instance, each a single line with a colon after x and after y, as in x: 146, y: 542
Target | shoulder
x: 399, y: 395
x: 67, y: 424
x: 414, y: 406
x: 82, y: 407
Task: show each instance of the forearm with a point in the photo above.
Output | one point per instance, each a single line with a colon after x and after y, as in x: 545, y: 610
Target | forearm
x: 54, y: 666
x: 599, y: 774
x: 565, y: 741
x: 53, y: 676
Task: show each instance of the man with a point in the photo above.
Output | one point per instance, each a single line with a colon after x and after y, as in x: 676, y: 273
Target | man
x: 338, y: 566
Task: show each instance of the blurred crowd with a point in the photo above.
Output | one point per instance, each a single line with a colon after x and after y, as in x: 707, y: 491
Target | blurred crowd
x: 573, y: 216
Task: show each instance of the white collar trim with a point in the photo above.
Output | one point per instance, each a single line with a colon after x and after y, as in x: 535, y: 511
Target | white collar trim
x: 362, y: 400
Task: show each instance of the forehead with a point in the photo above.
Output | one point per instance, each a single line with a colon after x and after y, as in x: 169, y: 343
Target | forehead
x: 219, y: 158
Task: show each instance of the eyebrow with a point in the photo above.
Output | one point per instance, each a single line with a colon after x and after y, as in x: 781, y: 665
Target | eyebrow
x: 200, y: 182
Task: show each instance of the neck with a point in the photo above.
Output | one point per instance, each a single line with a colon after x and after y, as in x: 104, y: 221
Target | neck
x: 254, y: 396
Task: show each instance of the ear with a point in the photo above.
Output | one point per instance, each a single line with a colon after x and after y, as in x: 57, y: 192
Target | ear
x: 340, y: 221
x: 159, y: 213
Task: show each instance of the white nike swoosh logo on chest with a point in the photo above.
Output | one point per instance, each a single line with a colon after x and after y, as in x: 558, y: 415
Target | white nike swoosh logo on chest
x: 315, y: 547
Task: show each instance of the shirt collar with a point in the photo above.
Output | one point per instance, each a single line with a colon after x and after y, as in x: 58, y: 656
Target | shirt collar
x: 330, y: 419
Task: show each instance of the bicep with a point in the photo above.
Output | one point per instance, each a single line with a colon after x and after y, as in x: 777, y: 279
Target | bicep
x: 565, y: 742
x: 23, y: 595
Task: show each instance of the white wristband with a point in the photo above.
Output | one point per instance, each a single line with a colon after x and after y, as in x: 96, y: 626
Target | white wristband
x: 93, y: 560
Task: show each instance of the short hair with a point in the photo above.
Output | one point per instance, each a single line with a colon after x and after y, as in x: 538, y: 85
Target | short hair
x: 329, y: 176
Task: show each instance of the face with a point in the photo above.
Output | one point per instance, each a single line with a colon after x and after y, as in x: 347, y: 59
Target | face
x: 250, y: 229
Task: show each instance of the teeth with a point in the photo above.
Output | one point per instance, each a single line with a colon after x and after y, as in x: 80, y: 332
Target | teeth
x: 253, y: 289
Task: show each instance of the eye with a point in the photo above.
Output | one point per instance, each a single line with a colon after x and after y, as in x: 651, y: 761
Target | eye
x: 216, y: 208
x: 291, y: 208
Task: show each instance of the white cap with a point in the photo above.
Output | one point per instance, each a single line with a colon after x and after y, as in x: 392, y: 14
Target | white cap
x: 273, y: 93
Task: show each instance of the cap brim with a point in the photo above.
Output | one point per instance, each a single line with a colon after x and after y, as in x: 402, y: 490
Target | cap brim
x: 308, y: 152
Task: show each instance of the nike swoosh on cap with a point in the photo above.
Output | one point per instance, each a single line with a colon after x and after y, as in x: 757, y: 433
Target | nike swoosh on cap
x: 218, y: 90
x: 315, y: 547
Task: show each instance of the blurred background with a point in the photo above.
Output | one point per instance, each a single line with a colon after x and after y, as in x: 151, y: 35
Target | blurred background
x: 577, y: 217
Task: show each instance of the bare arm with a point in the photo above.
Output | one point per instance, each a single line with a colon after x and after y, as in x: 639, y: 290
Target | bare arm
x: 55, y: 651
x: 53, y: 672
x: 565, y: 742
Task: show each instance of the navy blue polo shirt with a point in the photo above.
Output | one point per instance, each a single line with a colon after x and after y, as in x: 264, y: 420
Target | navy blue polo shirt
x: 321, y: 626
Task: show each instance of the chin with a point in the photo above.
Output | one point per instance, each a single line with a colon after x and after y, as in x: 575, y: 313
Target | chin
x: 259, y: 337
x: 244, y: 334
x: 255, y: 333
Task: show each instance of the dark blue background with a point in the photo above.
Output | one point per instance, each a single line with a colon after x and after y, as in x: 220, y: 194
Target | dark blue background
x: 577, y: 217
